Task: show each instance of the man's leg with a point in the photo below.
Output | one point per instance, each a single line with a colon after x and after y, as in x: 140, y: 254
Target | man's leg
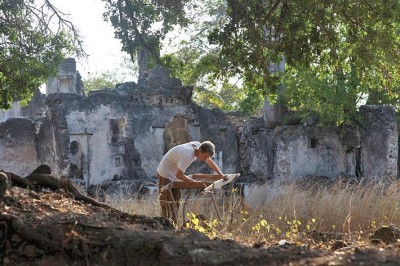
x: 163, y: 195
x: 176, y: 202
x: 168, y: 204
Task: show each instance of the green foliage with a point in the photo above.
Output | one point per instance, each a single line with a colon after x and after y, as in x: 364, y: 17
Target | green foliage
x: 32, y: 47
x: 252, y: 103
x: 335, y: 51
x: 195, y: 64
x: 265, y: 231
x: 210, y: 91
x: 207, y: 227
x: 287, y: 228
x: 142, y: 24
x: 101, y: 81
x: 333, y: 97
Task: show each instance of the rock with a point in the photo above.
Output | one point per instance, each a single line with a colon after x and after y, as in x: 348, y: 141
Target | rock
x: 377, y: 241
x: 16, y: 238
x: 30, y: 251
x: 387, y: 234
x: 338, y: 244
x: 3, y: 184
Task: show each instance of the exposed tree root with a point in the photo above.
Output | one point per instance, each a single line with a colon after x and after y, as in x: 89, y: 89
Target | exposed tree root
x: 55, y: 183
x: 40, y: 178
x: 25, y: 230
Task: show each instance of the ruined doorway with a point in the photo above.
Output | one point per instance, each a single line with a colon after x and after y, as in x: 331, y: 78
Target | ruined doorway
x: 76, y: 160
x: 175, y: 133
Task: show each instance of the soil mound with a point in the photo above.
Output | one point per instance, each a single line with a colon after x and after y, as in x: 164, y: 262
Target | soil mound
x: 53, y: 228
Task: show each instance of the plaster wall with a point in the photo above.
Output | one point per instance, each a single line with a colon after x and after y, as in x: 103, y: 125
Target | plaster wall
x: 81, y: 159
x: 301, y: 153
x: 18, y: 146
x: 151, y: 149
x: 13, y: 112
x: 94, y: 128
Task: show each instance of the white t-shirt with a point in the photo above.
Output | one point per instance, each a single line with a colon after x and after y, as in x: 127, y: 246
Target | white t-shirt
x: 179, y: 157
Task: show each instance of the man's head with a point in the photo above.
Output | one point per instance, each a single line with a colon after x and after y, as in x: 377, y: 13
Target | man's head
x: 206, y: 150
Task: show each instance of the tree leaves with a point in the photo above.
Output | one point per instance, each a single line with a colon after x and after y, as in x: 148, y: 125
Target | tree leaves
x: 142, y: 24
x: 34, y: 41
x: 335, y: 51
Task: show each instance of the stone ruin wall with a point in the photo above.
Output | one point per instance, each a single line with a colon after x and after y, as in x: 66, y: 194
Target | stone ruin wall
x: 288, y: 152
x: 122, y: 134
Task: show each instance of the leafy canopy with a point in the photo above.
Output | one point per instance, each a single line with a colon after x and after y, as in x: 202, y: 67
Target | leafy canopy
x: 34, y: 39
x: 197, y: 63
x: 334, y: 52
x: 142, y: 24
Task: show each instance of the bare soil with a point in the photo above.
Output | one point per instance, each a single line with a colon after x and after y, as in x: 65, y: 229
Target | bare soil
x: 52, y: 228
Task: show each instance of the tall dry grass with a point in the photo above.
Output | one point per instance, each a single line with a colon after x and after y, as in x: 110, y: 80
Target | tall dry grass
x: 339, y: 207
x: 277, y: 211
x: 135, y: 204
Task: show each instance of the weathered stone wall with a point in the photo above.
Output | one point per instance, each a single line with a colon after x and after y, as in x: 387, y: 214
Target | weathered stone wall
x: 52, y: 140
x: 68, y: 80
x: 18, y: 146
x: 35, y: 110
x: 379, y: 142
x: 296, y: 151
x: 301, y: 151
x: 123, y: 134
x: 217, y: 127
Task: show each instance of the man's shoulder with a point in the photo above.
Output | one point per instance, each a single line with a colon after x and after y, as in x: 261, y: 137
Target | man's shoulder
x: 195, y: 143
x: 187, y: 145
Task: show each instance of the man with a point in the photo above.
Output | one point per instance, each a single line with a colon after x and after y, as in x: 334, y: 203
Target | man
x: 173, y: 166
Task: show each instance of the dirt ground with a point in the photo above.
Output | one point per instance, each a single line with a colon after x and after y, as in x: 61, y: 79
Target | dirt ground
x: 51, y: 228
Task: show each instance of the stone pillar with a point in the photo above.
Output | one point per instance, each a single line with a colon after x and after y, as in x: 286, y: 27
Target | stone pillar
x: 273, y: 113
x: 143, y: 62
x: 379, y: 142
x: 68, y: 80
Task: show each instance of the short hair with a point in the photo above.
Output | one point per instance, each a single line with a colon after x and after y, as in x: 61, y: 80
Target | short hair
x: 207, y: 146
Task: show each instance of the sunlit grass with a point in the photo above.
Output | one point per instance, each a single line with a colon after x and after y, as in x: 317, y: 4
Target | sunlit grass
x: 131, y: 202
x: 291, y: 211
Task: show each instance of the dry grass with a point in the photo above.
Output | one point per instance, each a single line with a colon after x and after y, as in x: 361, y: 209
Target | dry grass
x: 133, y: 203
x: 355, y: 210
x: 287, y: 211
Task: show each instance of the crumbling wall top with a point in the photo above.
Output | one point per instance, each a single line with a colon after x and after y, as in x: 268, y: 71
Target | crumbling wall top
x: 68, y: 67
x: 160, y: 77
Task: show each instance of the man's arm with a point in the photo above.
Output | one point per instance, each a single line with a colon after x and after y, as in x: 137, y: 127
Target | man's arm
x: 214, y: 166
x: 181, y: 176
